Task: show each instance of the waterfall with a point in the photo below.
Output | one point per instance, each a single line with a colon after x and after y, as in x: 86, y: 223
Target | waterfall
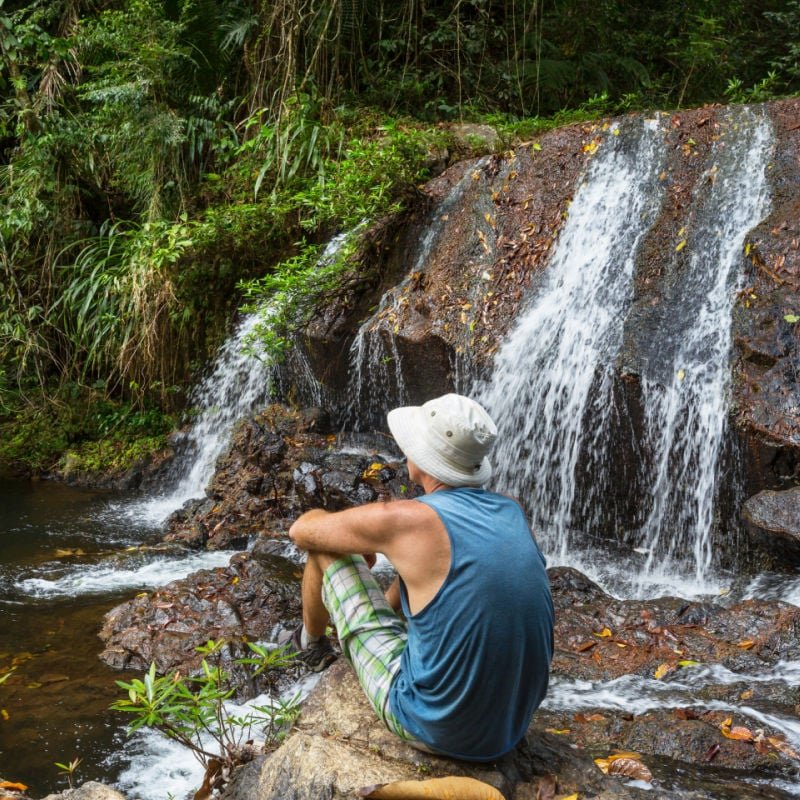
x: 376, y: 381
x: 686, y: 403
x: 241, y: 380
x: 551, y: 390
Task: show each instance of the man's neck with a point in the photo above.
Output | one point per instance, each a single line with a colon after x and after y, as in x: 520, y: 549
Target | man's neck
x: 431, y: 485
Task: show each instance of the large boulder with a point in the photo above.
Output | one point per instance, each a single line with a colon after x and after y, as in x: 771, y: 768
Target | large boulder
x: 338, y: 747
x: 280, y: 463
x: 245, y: 600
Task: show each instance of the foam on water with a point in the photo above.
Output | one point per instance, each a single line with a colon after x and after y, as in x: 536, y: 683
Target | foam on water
x: 119, y: 574
x: 774, y: 586
x: 637, y: 695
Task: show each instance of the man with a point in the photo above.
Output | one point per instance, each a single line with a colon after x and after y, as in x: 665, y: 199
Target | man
x: 462, y: 674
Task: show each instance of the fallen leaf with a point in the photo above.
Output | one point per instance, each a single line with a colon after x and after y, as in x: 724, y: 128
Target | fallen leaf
x: 685, y: 713
x: 711, y: 753
x: 791, y: 318
x: 745, y: 644
x: 680, y: 374
x: 630, y: 768
x: 681, y: 244
x: 581, y: 648
x: 21, y: 787
x: 739, y: 733
x: 662, y: 670
x: 583, y: 718
x: 604, y: 634
x: 784, y: 748
x: 3, y: 713
x: 558, y: 731
x: 447, y: 788
x: 688, y: 662
x: 569, y: 797
x: 546, y: 790
x: 746, y: 695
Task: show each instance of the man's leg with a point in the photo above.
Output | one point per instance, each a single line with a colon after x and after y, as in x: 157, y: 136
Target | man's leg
x: 315, y: 615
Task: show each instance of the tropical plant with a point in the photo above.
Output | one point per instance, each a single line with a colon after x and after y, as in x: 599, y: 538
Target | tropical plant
x: 194, y: 710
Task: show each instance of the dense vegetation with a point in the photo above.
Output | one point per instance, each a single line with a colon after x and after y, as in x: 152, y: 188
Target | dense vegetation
x: 162, y: 160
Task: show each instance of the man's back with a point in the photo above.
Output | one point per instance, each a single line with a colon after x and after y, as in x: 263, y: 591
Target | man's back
x: 478, y: 653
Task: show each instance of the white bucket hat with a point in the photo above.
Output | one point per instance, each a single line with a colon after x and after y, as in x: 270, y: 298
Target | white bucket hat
x: 448, y: 437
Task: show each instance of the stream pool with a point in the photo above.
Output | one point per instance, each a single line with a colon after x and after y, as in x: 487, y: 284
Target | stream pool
x: 66, y: 557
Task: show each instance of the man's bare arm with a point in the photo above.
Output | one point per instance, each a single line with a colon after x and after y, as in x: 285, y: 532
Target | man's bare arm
x: 371, y: 528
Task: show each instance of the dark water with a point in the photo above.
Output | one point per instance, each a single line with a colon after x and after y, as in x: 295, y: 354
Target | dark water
x: 55, y: 703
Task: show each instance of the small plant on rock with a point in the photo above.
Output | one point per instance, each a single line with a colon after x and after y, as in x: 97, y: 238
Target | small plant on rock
x: 195, y: 710
x: 68, y: 770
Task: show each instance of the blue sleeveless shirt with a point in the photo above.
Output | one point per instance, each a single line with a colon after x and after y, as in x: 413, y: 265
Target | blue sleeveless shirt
x: 477, y: 661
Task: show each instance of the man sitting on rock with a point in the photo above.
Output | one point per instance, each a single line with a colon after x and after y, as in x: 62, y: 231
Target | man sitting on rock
x: 462, y: 670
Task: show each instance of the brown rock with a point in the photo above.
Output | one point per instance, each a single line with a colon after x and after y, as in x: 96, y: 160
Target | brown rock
x: 772, y: 519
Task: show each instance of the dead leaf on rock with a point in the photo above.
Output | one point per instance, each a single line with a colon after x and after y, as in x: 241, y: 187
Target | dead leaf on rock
x: 630, y: 768
x: 662, y: 670
x: 784, y: 748
x: 20, y: 787
x: 605, y: 633
x: 711, y: 753
x: 582, y: 648
x: 604, y: 764
x: 584, y: 718
x: 685, y: 713
x: 745, y: 644
x: 546, y: 790
x: 449, y: 788
x: 739, y: 733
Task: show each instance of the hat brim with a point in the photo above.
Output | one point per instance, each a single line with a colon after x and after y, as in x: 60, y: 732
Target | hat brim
x: 408, y: 425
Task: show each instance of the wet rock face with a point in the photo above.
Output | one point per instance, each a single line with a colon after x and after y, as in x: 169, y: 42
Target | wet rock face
x: 247, y: 599
x: 772, y: 519
x: 600, y: 638
x: 456, y: 269
x: 281, y: 463
x: 766, y: 391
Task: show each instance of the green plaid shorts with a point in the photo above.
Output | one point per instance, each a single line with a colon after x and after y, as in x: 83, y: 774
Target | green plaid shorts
x: 371, y: 634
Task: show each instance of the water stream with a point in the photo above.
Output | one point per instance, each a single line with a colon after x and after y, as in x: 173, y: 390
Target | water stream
x: 553, y: 386
x: 68, y: 556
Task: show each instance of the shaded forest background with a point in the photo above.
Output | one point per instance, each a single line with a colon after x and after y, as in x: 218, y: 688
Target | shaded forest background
x: 164, y: 162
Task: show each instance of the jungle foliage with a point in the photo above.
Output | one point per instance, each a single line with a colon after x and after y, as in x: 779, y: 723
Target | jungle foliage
x: 162, y: 159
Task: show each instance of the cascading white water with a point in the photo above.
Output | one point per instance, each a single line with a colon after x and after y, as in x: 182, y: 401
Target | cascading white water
x: 551, y: 387
x: 241, y: 380
x: 686, y: 404
x: 376, y: 381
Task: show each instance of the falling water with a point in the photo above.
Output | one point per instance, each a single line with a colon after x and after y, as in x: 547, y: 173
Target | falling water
x: 242, y: 380
x: 551, y: 391
x: 686, y: 404
x: 376, y: 381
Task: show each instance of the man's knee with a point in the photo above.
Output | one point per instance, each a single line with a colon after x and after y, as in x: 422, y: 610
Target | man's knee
x: 321, y: 559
